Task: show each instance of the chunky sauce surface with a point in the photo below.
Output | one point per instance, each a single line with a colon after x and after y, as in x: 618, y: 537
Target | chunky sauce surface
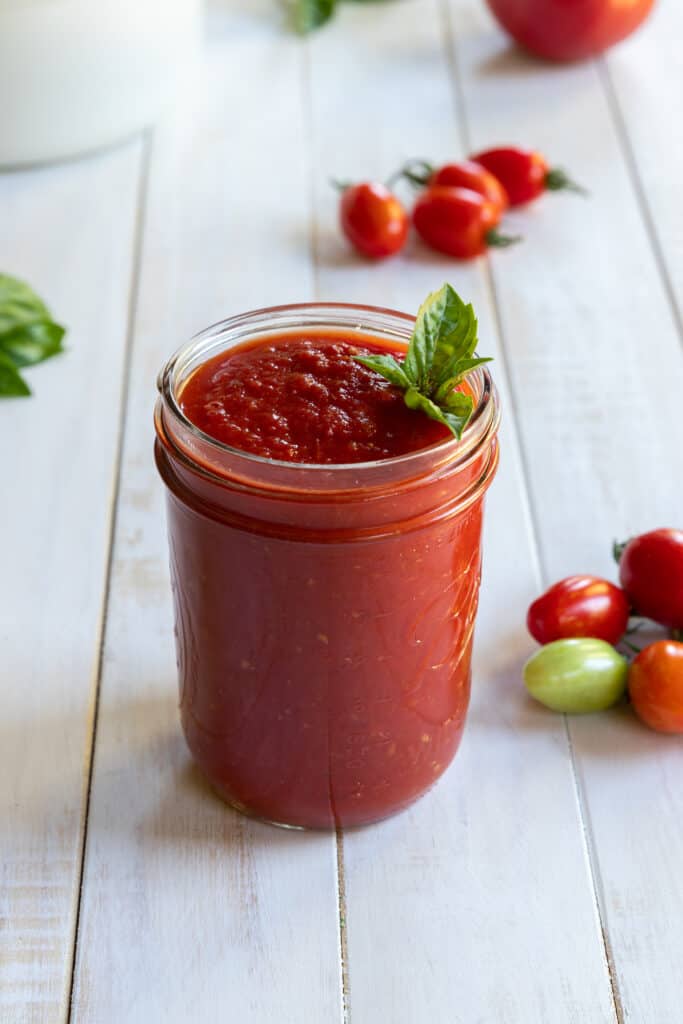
x: 305, y: 399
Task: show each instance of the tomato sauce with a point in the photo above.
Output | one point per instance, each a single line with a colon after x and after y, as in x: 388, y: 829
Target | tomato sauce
x: 305, y: 400
x: 324, y: 613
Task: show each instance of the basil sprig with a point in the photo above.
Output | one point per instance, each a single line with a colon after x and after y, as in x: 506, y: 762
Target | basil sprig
x: 311, y: 14
x: 439, y: 357
x: 28, y: 334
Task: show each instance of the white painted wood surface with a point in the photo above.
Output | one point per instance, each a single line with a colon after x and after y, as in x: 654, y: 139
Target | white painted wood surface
x: 595, y: 358
x: 486, y: 902
x: 645, y: 76
x: 457, y: 892
x: 229, y: 919
x: 70, y: 232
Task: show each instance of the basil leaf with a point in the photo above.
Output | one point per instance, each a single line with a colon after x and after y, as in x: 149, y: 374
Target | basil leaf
x: 12, y: 384
x: 19, y: 304
x: 28, y: 334
x: 32, y: 343
x: 310, y: 14
x: 455, y: 326
x: 459, y: 403
x: 430, y: 317
x: 464, y: 366
x: 388, y: 366
x: 456, y: 418
x: 459, y: 371
x: 439, y: 357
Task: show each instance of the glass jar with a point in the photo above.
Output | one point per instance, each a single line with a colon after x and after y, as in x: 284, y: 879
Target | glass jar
x: 324, y: 614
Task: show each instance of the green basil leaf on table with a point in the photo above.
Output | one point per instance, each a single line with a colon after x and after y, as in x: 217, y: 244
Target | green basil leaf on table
x: 307, y: 15
x: 12, y: 384
x: 310, y: 14
x: 19, y: 304
x: 32, y: 343
x: 28, y: 334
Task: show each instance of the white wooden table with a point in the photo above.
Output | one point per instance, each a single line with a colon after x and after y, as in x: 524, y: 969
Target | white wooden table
x: 542, y: 880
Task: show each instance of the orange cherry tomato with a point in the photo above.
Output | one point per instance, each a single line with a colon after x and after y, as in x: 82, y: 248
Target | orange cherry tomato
x: 655, y: 685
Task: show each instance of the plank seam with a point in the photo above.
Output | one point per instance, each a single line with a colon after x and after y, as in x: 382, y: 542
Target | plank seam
x: 639, y: 190
x: 309, y: 131
x: 133, y: 292
x: 343, y: 940
x: 593, y: 870
x: 489, y: 280
x: 596, y: 876
x: 308, y: 124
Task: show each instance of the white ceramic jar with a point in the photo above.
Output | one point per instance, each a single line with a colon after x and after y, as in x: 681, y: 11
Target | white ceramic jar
x: 76, y: 75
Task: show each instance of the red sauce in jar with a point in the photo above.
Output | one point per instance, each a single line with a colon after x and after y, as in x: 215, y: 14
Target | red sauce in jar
x: 324, y: 616
x: 305, y: 400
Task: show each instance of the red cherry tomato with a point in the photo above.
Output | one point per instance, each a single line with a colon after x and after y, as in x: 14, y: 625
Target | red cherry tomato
x: 464, y: 174
x: 457, y: 221
x: 655, y: 685
x: 569, y: 29
x: 524, y: 174
x: 579, y: 606
x: 373, y: 219
x: 651, y: 573
x: 468, y: 174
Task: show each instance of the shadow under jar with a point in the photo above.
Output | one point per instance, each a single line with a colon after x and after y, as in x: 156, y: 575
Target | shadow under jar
x: 324, y: 613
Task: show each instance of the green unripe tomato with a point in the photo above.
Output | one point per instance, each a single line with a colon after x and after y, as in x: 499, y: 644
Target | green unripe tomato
x: 577, y: 675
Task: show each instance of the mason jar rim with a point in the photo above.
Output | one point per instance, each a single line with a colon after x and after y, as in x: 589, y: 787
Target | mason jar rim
x: 276, y: 320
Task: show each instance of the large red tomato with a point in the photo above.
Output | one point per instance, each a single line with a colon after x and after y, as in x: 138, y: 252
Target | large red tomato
x: 569, y: 29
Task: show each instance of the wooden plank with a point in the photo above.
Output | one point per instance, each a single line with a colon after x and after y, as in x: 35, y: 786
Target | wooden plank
x: 642, y: 894
x: 596, y: 369
x: 476, y: 904
x: 69, y: 232
x: 190, y: 911
x: 644, y: 81
x: 580, y: 299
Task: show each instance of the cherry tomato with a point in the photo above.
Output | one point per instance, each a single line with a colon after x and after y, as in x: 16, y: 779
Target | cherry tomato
x: 651, y: 573
x: 464, y: 174
x: 579, y: 606
x: 576, y: 676
x: 524, y: 174
x: 569, y: 29
x: 373, y: 219
x: 655, y: 685
x: 457, y: 221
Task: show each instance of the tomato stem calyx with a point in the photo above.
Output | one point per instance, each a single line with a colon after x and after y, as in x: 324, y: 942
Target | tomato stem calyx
x: 557, y: 180
x: 618, y: 550
x: 417, y: 172
x: 497, y: 240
